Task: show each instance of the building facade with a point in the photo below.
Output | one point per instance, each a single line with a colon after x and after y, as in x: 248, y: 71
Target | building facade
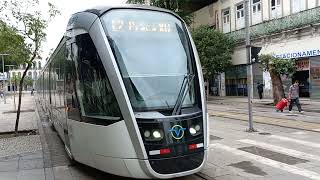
x: 289, y: 29
x: 33, y: 73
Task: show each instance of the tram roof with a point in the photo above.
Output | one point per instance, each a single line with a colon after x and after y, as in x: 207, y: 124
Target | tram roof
x: 100, y: 10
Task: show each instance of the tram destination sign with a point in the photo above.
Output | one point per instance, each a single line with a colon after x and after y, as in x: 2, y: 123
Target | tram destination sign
x: 137, y: 26
x: 299, y: 54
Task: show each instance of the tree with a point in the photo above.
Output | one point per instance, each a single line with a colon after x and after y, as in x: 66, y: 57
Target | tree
x: 172, y: 5
x: 215, y: 50
x: 12, y: 43
x: 31, y: 24
x: 28, y: 81
x: 277, y: 67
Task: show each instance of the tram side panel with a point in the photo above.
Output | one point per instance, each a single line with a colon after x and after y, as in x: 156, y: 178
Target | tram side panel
x: 103, y: 143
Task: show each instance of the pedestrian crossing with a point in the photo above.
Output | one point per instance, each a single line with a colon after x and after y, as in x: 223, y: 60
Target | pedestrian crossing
x: 301, y: 142
x: 280, y: 149
x: 269, y: 162
x: 286, y: 144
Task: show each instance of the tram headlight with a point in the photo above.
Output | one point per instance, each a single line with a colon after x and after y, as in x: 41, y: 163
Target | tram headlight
x: 192, y: 131
x: 147, y: 133
x: 153, y: 134
x: 197, y: 127
x: 157, y: 134
x: 195, y: 130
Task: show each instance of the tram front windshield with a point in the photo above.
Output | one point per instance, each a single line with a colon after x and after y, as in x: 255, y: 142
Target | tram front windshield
x: 152, y: 51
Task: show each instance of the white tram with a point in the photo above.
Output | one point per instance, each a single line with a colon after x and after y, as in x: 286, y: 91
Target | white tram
x: 125, y: 92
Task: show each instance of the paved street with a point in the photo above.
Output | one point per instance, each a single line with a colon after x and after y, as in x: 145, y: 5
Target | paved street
x: 274, y: 152
x: 271, y: 153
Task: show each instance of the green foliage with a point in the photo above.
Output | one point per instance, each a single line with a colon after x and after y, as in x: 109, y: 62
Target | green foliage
x: 28, y: 81
x: 172, y: 5
x: 12, y: 43
x: 15, y: 80
x: 215, y: 50
x: 25, y: 17
x: 280, y: 66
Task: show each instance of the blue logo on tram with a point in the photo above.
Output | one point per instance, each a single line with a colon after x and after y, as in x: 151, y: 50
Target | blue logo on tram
x: 177, y: 132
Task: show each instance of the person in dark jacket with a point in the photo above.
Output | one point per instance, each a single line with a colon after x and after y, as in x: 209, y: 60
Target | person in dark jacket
x: 294, y: 96
x: 260, y: 90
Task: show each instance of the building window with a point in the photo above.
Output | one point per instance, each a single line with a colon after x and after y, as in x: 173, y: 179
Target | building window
x: 35, y: 75
x: 240, y: 23
x: 13, y: 74
x: 39, y: 64
x: 298, y: 5
x: 19, y: 74
x: 256, y: 12
x: 276, y: 9
x: 34, y: 65
x: 30, y: 74
x: 226, y: 21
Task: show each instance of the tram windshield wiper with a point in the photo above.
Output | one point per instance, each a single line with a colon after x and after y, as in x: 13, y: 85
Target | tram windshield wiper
x: 186, y: 83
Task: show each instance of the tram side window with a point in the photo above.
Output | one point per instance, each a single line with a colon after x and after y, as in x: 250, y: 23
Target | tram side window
x: 96, y: 95
x: 70, y: 88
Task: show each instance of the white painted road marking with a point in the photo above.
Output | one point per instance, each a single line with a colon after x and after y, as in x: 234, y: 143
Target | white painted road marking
x: 299, y: 133
x: 307, y: 143
x: 287, y: 151
x: 269, y: 162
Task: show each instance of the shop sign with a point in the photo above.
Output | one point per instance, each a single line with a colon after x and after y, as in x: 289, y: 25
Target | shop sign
x: 299, y: 54
x: 302, y: 65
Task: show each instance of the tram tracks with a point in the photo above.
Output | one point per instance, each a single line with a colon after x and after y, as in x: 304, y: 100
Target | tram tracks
x: 264, y: 119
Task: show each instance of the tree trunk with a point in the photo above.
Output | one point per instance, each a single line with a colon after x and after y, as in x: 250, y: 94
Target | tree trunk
x: 277, y: 87
x: 20, y: 95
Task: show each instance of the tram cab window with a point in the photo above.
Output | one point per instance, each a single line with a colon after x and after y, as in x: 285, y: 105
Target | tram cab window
x: 95, y: 94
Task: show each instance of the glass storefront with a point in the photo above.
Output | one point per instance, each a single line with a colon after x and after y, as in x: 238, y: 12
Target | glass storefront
x: 315, y: 77
x: 302, y: 75
x: 236, y: 81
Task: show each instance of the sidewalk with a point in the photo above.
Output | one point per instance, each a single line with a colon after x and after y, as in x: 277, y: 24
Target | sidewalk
x: 21, y: 157
x: 308, y: 104
x: 264, y: 113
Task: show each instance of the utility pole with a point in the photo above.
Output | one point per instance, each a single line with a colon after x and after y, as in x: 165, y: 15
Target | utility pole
x: 249, y: 66
x: 4, y: 95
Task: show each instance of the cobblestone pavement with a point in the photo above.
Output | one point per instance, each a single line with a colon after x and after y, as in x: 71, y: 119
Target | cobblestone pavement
x: 271, y: 153
x: 19, y: 145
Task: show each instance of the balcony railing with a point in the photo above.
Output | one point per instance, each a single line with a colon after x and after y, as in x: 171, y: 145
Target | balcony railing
x: 297, y: 20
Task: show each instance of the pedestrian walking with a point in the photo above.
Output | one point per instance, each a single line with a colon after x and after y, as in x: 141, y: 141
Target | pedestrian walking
x: 32, y: 92
x: 260, y: 90
x: 294, y: 96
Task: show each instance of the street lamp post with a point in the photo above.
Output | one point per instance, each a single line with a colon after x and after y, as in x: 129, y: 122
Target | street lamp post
x: 249, y: 67
x: 4, y: 96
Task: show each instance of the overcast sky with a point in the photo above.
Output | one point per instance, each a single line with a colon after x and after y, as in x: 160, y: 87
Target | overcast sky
x: 57, y: 27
